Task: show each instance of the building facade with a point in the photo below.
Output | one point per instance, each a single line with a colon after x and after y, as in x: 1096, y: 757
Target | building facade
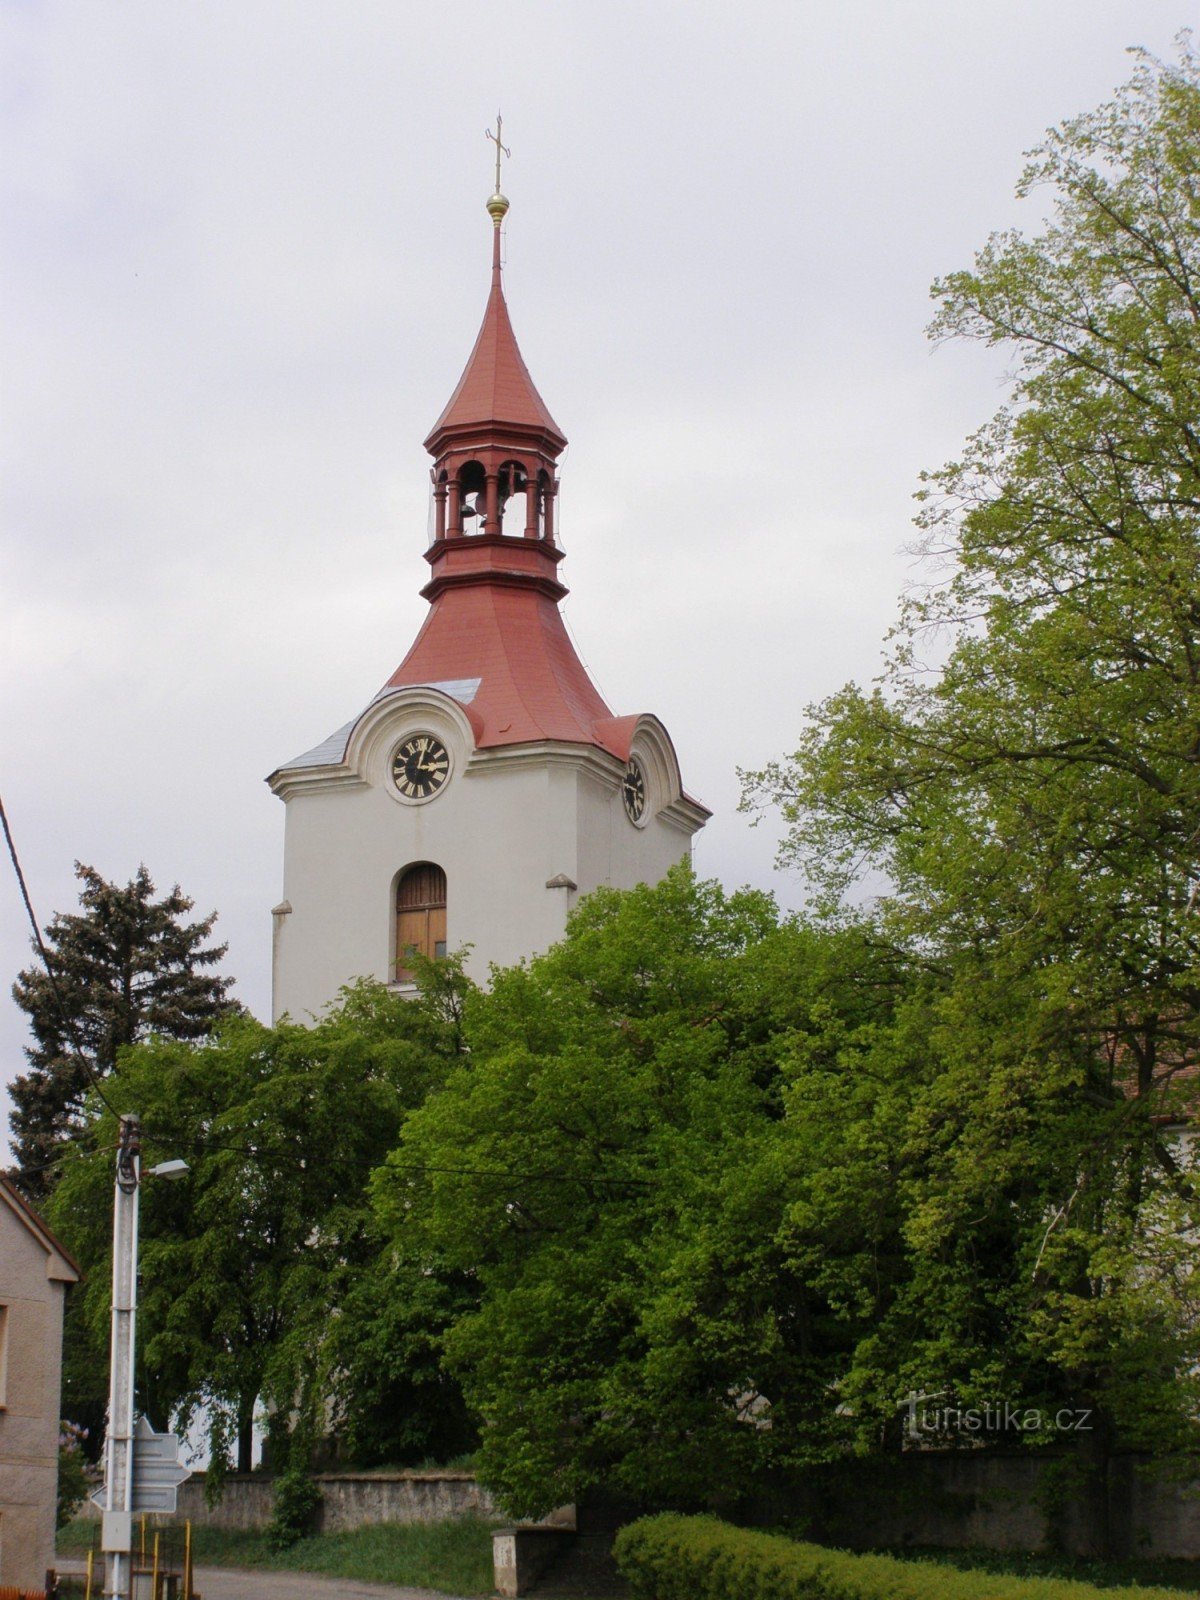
x: 35, y: 1272
x: 487, y: 785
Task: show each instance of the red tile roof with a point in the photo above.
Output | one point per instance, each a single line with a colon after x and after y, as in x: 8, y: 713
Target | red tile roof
x: 532, y: 687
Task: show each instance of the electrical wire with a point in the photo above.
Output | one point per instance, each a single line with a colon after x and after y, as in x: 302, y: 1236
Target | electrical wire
x: 68, y: 1148
x: 67, y: 1021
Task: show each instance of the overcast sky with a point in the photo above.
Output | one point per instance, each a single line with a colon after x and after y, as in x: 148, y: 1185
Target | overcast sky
x: 245, y: 256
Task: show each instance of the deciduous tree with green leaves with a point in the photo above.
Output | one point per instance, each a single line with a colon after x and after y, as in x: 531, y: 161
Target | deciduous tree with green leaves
x: 1026, y: 775
x: 247, y: 1263
x: 609, y: 1166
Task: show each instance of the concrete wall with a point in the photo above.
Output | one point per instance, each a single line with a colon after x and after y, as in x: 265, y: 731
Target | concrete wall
x: 31, y: 1307
x: 520, y: 1555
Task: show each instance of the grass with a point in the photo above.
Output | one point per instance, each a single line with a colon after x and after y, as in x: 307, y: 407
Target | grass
x: 453, y: 1556
x: 1157, y: 1571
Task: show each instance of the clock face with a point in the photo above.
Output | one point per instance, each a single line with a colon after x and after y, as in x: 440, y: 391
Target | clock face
x: 633, y: 790
x: 420, y: 767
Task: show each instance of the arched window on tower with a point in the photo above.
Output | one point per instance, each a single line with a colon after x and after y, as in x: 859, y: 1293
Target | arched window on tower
x: 472, y: 483
x: 512, y: 487
x: 420, y: 916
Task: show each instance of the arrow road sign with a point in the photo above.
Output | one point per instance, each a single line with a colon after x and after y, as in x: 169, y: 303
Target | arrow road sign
x: 156, y: 1470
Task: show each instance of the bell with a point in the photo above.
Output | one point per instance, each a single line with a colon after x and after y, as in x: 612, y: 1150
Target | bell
x: 475, y: 510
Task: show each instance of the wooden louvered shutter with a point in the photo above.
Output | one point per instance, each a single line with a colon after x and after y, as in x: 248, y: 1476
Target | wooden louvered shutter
x: 420, y: 915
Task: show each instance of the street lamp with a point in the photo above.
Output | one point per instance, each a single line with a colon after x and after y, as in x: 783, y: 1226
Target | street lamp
x: 116, y: 1538
x: 167, y: 1169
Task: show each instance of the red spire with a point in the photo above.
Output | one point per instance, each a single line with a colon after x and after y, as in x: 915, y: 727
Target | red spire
x: 493, y: 625
x: 495, y: 389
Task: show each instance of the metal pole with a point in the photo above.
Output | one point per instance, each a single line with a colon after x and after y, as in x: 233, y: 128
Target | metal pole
x: 117, y: 1526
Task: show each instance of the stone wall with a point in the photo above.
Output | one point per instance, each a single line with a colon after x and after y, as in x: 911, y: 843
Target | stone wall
x: 353, y: 1500
x: 348, y: 1500
x: 1022, y: 1500
x: 952, y: 1499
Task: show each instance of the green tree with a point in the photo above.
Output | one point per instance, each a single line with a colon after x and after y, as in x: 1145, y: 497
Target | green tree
x: 608, y: 1166
x: 1032, y: 803
x: 125, y: 966
x: 246, y: 1265
x: 392, y: 1400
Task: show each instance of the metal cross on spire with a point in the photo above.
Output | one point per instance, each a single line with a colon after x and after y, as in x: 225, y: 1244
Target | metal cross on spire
x: 501, y: 149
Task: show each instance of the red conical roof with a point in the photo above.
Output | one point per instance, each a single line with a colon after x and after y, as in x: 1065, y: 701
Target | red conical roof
x: 511, y: 645
x: 495, y: 387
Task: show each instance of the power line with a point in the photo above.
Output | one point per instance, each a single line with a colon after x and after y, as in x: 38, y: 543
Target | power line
x: 68, y: 1022
x: 66, y: 1150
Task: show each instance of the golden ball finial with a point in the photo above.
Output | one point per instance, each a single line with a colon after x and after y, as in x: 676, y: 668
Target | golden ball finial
x: 497, y: 207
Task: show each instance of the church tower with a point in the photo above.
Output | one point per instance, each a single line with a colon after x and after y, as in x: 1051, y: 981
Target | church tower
x: 487, y: 785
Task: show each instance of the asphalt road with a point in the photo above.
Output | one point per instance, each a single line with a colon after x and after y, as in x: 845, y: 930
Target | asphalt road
x: 245, y: 1583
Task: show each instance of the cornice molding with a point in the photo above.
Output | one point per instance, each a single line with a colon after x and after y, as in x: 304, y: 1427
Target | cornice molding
x: 493, y: 541
x: 499, y: 579
x: 466, y: 438
x: 548, y: 752
x: 291, y: 781
x: 378, y: 722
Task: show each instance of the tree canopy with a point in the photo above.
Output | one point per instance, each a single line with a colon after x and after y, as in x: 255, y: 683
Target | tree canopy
x: 246, y: 1262
x: 610, y: 1165
x: 1037, y: 792
x: 1026, y: 778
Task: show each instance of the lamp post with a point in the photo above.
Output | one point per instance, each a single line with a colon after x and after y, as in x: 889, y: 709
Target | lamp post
x: 117, y: 1525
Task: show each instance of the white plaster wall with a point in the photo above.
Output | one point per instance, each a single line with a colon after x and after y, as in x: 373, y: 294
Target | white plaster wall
x: 503, y: 826
x: 609, y: 849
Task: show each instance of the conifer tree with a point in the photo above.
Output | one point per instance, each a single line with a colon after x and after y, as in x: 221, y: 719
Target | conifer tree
x: 126, y: 965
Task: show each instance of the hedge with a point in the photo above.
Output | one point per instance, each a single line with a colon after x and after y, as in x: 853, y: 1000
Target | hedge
x: 698, y: 1558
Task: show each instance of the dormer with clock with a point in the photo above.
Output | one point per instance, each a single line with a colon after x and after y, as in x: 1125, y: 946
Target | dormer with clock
x: 487, y: 785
